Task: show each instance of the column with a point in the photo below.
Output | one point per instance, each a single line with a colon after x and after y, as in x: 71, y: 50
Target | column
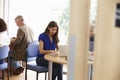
x: 79, y: 36
x: 107, y: 42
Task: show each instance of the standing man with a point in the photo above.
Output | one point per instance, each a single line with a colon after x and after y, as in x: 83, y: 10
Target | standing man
x: 19, y: 44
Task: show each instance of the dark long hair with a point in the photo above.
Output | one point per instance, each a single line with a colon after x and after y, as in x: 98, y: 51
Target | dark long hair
x: 51, y: 25
x: 3, y: 25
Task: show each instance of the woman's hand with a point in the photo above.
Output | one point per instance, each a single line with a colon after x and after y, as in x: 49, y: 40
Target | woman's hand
x: 51, y: 51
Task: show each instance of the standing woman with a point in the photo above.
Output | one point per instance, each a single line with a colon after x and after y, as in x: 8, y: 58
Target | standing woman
x: 48, y: 43
x: 4, y: 38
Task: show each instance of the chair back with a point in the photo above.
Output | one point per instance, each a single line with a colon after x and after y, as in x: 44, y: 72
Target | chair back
x: 4, y: 51
x: 32, y: 49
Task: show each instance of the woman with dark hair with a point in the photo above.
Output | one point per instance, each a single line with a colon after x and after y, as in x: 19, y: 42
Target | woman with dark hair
x: 3, y: 26
x: 4, y: 38
x: 48, y: 43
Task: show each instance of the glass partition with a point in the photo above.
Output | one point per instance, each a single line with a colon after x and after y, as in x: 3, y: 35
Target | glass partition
x: 93, y: 14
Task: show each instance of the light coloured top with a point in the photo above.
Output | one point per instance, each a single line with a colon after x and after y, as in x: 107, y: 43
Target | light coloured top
x: 4, y: 38
x: 29, y: 32
x: 55, y: 59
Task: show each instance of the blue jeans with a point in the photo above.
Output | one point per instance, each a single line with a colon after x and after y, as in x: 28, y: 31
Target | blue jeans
x: 57, y: 68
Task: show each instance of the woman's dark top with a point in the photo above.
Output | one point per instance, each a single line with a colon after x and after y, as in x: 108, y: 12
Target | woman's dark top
x: 48, y: 45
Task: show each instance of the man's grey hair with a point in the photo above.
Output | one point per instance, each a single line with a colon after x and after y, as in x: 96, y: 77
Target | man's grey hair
x: 19, y: 17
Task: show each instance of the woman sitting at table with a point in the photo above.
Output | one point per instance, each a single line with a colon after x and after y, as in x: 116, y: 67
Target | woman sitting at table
x: 48, y: 43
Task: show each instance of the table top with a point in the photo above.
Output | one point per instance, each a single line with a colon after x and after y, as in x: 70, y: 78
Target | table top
x: 55, y: 59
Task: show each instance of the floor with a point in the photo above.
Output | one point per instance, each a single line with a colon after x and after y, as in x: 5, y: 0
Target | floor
x: 32, y: 76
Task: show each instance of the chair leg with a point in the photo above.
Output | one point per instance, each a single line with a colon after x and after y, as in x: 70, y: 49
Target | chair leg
x: 10, y: 66
x: 7, y: 74
x: 26, y: 72
x: 37, y: 76
x: 45, y: 75
x: 2, y: 74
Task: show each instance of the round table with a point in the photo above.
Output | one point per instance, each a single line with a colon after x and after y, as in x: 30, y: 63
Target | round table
x: 51, y: 58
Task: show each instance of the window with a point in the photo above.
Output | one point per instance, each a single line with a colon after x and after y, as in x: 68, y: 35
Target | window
x: 37, y: 15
